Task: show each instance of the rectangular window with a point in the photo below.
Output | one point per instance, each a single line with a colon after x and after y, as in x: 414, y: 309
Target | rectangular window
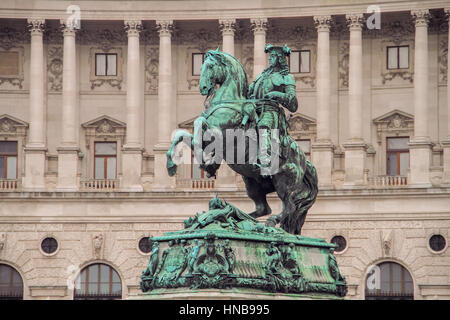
x: 197, y: 61
x: 8, y: 160
x: 300, y: 61
x: 398, y: 57
x: 105, y: 64
x: 397, y: 156
x: 9, y: 63
x: 105, y: 163
x: 305, y: 145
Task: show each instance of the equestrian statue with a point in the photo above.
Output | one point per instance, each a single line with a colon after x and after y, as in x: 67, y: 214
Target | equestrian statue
x: 278, y: 165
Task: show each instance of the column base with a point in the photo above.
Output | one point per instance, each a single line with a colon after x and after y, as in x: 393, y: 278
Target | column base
x: 322, y: 157
x: 162, y: 181
x: 355, y: 154
x: 67, y: 169
x: 131, y: 169
x: 420, y: 160
x: 34, y: 179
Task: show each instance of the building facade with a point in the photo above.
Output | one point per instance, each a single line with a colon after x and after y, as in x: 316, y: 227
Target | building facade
x: 91, y: 93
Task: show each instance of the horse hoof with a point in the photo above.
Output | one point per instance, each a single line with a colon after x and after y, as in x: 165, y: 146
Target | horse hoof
x: 172, y: 170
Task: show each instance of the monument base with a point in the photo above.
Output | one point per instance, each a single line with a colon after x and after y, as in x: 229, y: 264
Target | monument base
x: 229, y: 251
x: 227, y: 294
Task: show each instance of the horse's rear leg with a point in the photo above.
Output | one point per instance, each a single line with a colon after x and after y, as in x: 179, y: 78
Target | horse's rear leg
x: 257, y: 193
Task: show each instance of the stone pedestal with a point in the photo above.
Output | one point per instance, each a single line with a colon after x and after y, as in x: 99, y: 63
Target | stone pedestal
x: 355, y: 154
x: 420, y: 155
x: 162, y: 181
x: 322, y: 157
x: 34, y: 169
x: 67, y: 169
x: 131, y: 169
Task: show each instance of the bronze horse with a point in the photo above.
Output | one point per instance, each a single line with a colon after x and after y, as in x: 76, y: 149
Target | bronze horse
x: 224, y: 82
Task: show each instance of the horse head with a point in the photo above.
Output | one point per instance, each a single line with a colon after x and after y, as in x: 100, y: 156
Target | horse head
x: 220, y: 68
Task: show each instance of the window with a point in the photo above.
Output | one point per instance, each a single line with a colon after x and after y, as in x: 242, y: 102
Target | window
x: 105, y: 160
x: 300, y: 61
x: 49, y: 245
x: 11, y: 284
x: 197, y: 61
x: 98, y: 282
x: 106, y: 64
x: 437, y: 243
x: 8, y: 160
x: 397, y: 156
x: 305, y: 145
x: 389, y: 281
x: 340, y: 242
x: 145, y: 245
x: 398, y: 57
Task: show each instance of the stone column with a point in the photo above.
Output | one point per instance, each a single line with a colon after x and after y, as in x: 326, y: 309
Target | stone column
x: 355, y: 148
x: 420, y: 144
x: 68, y: 149
x: 132, y: 150
x: 259, y: 27
x: 226, y: 178
x: 36, y: 146
x: 322, y: 149
x: 446, y: 142
x: 227, y: 26
x: 162, y: 180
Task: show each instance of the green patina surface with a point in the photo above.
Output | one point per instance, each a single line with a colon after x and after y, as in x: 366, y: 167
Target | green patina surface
x: 224, y: 248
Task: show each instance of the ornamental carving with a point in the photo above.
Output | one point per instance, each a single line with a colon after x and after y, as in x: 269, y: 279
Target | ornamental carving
x: 55, y: 68
x: 443, y: 60
x: 10, y: 37
x: 12, y: 126
x: 151, y: 69
x: 343, y: 64
x: 395, y: 122
x: 202, y: 39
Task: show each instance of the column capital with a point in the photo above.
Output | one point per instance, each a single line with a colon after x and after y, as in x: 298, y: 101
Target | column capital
x: 259, y: 25
x: 165, y: 27
x: 355, y: 21
x: 421, y: 17
x: 68, y: 29
x: 322, y: 23
x: 36, y: 25
x: 133, y: 27
x: 227, y: 26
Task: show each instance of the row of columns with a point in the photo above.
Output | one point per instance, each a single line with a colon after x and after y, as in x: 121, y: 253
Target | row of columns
x: 322, y: 149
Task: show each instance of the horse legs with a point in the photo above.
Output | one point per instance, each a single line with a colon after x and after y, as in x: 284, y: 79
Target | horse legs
x: 180, y: 136
x: 257, y: 193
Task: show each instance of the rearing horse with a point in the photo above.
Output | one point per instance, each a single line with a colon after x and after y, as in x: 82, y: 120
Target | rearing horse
x: 224, y: 82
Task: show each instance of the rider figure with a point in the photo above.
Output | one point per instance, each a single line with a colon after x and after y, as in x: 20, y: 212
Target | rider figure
x: 277, y: 85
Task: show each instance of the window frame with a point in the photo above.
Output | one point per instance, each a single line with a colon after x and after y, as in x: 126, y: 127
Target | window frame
x: 6, y: 156
x: 85, y: 295
x: 300, y: 61
x: 105, y: 160
x: 398, y: 152
x: 192, y: 62
x: 398, y: 57
x: 106, y: 54
x: 11, y: 286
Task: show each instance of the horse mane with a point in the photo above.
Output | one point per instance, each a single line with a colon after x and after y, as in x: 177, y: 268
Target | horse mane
x: 235, y: 69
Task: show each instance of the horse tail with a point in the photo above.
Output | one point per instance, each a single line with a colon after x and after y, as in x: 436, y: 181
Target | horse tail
x: 303, y: 199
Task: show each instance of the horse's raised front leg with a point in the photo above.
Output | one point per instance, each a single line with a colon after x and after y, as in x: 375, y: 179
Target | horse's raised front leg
x: 180, y: 136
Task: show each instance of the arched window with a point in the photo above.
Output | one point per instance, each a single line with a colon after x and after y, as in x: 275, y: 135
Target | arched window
x: 11, y: 284
x: 98, y: 282
x: 389, y: 281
